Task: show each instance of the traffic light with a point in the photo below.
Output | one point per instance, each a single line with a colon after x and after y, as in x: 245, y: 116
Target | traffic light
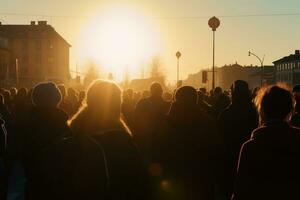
x: 204, y: 76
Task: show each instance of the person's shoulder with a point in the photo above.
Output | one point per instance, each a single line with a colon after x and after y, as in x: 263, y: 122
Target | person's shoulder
x: 258, y: 132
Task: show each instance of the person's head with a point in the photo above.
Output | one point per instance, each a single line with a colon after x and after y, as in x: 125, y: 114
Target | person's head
x: 203, y: 90
x: 274, y: 103
x: 104, y: 98
x: 218, y: 91
x: 186, y: 95
x: 102, y: 109
x: 46, y: 95
x: 7, y: 97
x: 201, y: 96
x: 156, y: 90
x: 22, y: 94
x: 13, y: 91
x: 62, y: 90
x: 240, y: 91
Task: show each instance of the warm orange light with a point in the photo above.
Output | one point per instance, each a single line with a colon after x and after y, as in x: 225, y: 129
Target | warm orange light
x: 119, y: 39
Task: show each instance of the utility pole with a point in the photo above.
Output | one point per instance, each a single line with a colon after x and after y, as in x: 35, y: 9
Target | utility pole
x: 178, y: 55
x: 213, y: 23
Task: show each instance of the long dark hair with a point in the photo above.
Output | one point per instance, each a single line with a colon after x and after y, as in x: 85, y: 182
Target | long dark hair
x: 101, y: 110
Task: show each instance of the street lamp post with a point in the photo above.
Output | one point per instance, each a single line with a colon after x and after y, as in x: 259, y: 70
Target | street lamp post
x: 261, y: 60
x: 213, y: 23
x: 178, y: 55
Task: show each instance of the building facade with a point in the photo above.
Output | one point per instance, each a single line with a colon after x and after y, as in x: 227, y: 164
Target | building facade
x: 32, y: 53
x: 227, y: 74
x: 4, y: 59
x: 288, y: 69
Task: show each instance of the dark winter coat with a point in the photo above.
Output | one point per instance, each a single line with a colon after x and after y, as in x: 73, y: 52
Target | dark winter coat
x: 269, y: 164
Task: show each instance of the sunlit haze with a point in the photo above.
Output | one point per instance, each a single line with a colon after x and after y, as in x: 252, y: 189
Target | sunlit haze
x: 120, y: 40
x: 123, y: 35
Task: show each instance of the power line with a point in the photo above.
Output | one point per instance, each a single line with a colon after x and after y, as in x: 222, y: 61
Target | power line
x: 158, y: 18
x: 231, y: 16
x: 262, y: 15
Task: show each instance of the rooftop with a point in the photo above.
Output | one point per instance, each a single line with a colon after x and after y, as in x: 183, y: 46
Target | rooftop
x: 292, y: 57
x: 39, y: 30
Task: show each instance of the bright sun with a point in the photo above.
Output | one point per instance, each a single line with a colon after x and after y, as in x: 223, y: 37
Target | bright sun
x: 120, y: 40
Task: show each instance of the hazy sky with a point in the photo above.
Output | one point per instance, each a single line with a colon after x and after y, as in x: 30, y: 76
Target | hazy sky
x: 273, y: 36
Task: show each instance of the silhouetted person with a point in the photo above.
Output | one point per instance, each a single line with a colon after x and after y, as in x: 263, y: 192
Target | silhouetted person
x: 20, y: 116
x: 110, y: 166
x: 235, y: 125
x: 190, y: 149
x: 21, y: 105
x: 269, y: 162
x: 128, y: 106
x: 73, y: 99
x: 202, y: 103
x: 13, y: 92
x: 46, y: 124
x: 219, y: 101
x: 65, y: 104
x: 149, y: 120
x: 295, y: 121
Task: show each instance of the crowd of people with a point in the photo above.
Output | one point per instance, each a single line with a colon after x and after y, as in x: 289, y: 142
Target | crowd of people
x: 105, y: 143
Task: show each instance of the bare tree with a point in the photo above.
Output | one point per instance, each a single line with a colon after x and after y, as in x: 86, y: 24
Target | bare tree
x: 92, y: 73
x: 156, y: 68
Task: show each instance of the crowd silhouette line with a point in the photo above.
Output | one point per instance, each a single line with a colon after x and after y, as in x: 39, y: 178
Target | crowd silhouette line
x: 189, y: 144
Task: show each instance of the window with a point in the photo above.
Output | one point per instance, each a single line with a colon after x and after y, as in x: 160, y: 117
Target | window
x: 50, y: 44
x: 38, y: 45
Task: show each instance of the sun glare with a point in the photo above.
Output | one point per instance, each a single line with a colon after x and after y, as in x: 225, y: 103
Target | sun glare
x: 119, y: 39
